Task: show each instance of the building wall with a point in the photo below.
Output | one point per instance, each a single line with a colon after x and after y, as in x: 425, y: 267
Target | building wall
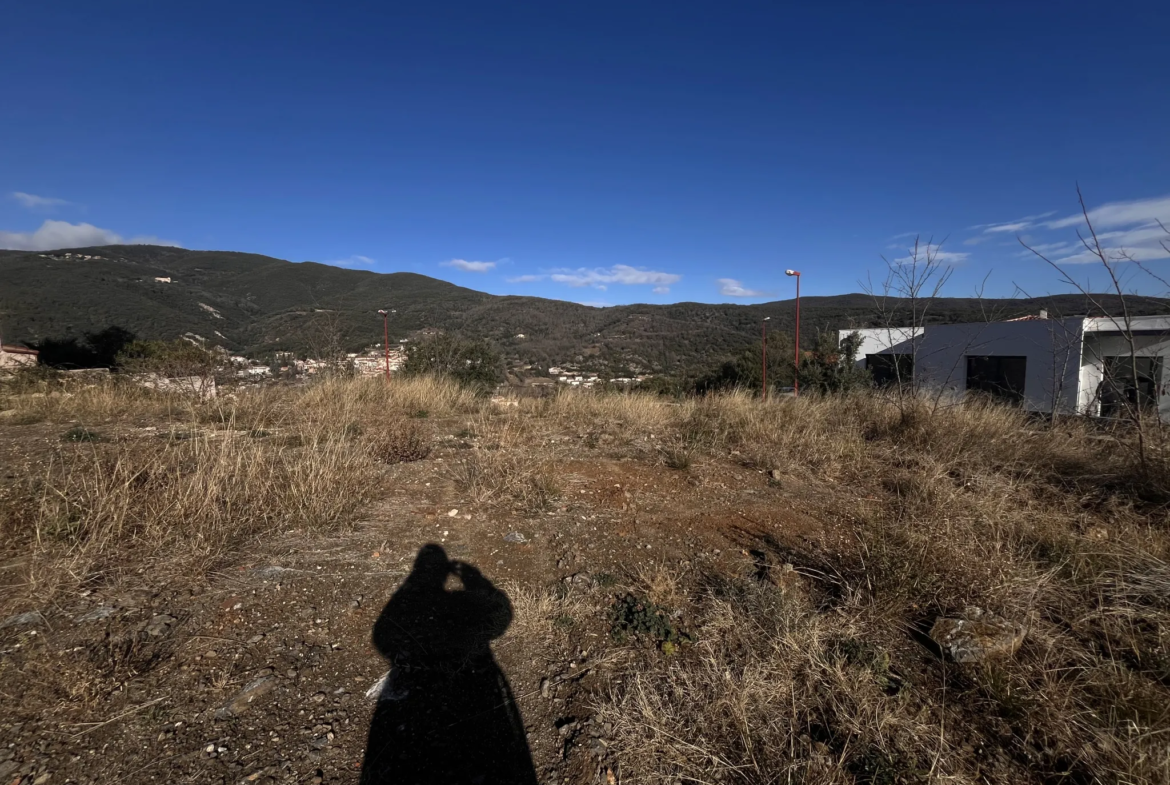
x: 17, y: 359
x: 1052, y: 348
x: 1100, y: 345
x: 879, y: 340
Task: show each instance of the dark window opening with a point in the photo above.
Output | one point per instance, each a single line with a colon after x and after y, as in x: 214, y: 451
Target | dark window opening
x: 890, y: 369
x: 1121, y: 390
x: 1002, y: 378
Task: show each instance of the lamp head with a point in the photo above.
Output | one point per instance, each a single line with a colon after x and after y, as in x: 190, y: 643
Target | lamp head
x: 791, y: 272
x: 381, y: 312
x: 767, y: 318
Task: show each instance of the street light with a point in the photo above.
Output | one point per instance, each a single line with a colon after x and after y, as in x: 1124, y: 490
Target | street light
x: 386, y: 337
x: 796, y: 377
x: 764, y: 354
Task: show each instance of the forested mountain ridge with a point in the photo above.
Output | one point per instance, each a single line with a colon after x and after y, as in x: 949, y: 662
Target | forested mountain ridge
x: 255, y: 305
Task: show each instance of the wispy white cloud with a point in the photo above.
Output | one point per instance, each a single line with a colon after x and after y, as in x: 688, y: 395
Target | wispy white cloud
x: 933, y: 252
x: 1017, y: 225
x: 354, y: 262
x: 1126, y: 230
x: 729, y: 287
x: 1114, y: 214
x: 1046, y: 248
x: 34, y: 202
x: 601, y: 277
x: 62, y: 234
x: 470, y: 267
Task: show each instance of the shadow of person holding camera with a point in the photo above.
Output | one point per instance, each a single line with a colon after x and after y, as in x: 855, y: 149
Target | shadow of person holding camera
x: 445, y: 712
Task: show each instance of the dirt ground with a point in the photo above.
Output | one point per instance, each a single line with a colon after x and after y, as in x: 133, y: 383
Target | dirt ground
x: 259, y: 671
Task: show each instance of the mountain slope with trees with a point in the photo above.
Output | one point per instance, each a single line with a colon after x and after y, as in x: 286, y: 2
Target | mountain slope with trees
x: 256, y: 305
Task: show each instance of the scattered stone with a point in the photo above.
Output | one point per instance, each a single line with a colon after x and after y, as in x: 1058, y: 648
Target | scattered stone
x: 545, y: 688
x: 515, y: 537
x: 7, y: 768
x: 97, y: 614
x: 977, y: 636
x: 384, y: 689
x: 27, y: 619
x: 581, y: 581
x: 160, y: 625
x: 453, y: 513
x: 774, y: 475
x: 242, y: 702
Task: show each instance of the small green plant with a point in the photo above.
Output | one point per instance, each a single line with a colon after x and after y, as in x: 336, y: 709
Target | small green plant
x: 564, y: 622
x: 421, y: 414
x: 637, y: 617
x: 79, y: 434
x: 605, y: 580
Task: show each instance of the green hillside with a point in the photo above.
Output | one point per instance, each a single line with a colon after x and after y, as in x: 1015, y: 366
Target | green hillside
x: 255, y: 305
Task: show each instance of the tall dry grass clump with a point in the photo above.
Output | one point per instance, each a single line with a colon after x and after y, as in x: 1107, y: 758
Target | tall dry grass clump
x: 218, y: 474
x: 971, y: 504
x: 374, y: 397
x: 99, y: 507
x: 28, y: 398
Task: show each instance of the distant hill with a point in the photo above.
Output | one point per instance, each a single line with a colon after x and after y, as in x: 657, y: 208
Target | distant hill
x: 256, y: 305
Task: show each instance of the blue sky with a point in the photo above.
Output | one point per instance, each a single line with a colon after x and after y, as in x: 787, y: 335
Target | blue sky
x: 601, y: 153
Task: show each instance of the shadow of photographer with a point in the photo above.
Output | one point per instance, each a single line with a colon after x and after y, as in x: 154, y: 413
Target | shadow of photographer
x: 445, y: 711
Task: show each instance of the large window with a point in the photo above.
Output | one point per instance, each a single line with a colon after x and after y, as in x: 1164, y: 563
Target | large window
x: 890, y: 369
x: 1121, y: 388
x: 1001, y: 378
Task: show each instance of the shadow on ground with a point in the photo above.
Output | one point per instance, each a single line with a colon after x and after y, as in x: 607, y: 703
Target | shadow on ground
x: 445, y: 713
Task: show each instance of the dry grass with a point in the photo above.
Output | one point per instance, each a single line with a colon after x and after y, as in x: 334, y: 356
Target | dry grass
x: 225, y: 471
x: 503, y: 469
x: 948, y: 506
x: 976, y: 506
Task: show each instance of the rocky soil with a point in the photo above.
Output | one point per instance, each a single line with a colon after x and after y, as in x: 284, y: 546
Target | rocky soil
x: 263, y: 670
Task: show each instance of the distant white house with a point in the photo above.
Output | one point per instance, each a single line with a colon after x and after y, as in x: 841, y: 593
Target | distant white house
x: 1078, y: 365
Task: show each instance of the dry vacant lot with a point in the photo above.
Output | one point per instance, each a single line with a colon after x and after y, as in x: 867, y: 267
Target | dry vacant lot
x: 657, y: 591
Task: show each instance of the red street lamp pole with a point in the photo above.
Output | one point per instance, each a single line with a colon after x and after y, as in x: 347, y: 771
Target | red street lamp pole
x: 386, y: 338
x: 796, y: 378
x: 764, y: 354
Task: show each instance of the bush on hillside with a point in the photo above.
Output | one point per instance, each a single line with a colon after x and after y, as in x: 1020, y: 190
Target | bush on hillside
x: 177, y: 358
x: 93, y: 350
x: 828, y: 367
x: 472, y: 363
